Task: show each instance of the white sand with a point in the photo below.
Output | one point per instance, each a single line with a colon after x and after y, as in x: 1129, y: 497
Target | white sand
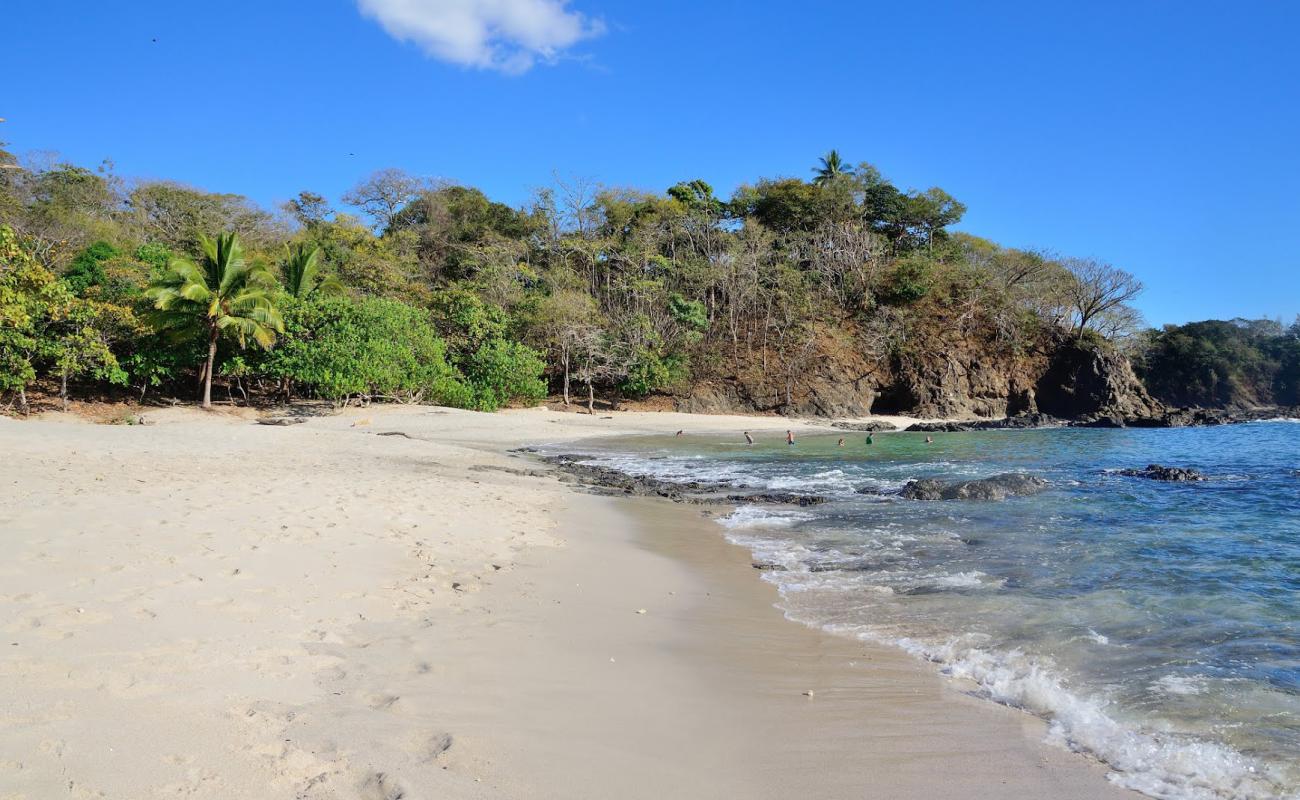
x: 209, y: 608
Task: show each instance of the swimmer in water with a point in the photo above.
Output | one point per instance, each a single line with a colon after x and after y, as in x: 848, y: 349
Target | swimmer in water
x: 748, y: 439
x: 679, y: 433
x: 789, y: 437
x: 841, y: 444
x: 869, y: 439
x: 929, y: 440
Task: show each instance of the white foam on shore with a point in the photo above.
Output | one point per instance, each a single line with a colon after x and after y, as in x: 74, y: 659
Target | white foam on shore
x: 1163, y: 765
x: 759, y: 517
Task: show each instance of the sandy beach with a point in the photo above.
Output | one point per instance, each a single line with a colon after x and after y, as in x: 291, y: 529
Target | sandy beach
x: 204, y: 607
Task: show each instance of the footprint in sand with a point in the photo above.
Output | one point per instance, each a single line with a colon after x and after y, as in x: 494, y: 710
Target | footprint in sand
x: 384, y: 702
x: 380, y: 786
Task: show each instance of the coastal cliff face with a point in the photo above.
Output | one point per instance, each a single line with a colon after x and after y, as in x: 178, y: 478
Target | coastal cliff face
x: 1059, y: 377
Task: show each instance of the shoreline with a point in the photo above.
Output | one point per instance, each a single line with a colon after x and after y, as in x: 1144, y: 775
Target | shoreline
x: 452, y: 637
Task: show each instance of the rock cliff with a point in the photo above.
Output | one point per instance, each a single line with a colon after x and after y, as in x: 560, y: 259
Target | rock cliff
x: 946, y: 377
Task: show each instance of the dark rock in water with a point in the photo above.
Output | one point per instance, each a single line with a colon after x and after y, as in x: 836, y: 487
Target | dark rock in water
x: 779, y: 498
x: 606, y: 481
x: 1018, y: 422
x: 1197, y: 417
x: 1157, y: 472
x: 871, y: 490
x: 768, y: 567
x: 998, y: 487
x: 865, y: 427
x: 1101, y: 422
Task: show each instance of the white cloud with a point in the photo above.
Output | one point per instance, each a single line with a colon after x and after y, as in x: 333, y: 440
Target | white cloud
x: 505, y: 35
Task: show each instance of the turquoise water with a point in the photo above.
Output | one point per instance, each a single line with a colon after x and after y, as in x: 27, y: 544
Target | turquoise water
x: 1155, y: 625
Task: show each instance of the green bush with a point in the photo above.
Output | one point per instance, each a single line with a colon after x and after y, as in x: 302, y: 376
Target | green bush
x: 649, y: 372
x: 910, y: 280
x: 501, y: 371
x: 87, y: 269
x: 338, y: 347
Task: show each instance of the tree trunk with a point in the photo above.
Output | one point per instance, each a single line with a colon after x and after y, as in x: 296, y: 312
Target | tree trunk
x: 63, y: 388
x: 591, y: 399
x: 207, y: 369
x: 566, y: 377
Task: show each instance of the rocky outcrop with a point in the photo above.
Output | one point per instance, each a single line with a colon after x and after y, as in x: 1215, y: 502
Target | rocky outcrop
x: 1157, y: 472
x: 865, y: 427
x: 1021, y: 421
x: 998, y: 487
x: 1084, y: 380
x: 605, y: 481
x: 939, y: 375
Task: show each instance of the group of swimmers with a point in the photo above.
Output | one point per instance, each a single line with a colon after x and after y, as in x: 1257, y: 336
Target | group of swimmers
x: 789, y: 438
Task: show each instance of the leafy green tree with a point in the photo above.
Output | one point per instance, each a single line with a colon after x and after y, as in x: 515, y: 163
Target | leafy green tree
x: 302, y: 273
x: 42, y: 322
x: 87, y: 267
x: 77, y: 344
x: 223, y: 293
x: 29, y: 295
x: 338, y: 348
x: 502, y: 371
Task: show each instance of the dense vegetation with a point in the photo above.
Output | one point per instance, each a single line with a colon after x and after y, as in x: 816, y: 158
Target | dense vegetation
x: 1241, y: 363
x: 433, y: 292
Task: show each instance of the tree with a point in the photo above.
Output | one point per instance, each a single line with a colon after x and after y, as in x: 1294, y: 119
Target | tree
x: 338, y: 348
x: 29, y: 295
x: 309, y: 209
x: 224, y: 293
x: 560, y: 319
x: 77, y: 344
x: 1096, y: 289
x: 302, y: 277
x: 383, y: 194
x: 42, y: 322
x: 177, y: 216
x: 831, y: 168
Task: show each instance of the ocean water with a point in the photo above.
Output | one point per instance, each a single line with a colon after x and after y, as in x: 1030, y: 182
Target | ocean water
x: 1156, y: 626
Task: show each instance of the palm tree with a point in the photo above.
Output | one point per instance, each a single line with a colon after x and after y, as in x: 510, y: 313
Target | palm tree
x: 302, y: 277
x: 222, y: 293
x: 832, y: 166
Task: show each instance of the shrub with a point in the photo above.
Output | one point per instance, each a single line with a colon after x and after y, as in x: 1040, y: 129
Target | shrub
x: 338, y: 347
x: 501, y: 371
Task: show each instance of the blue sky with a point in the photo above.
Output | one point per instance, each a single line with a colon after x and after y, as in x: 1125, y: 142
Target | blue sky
x: 1159, y: 136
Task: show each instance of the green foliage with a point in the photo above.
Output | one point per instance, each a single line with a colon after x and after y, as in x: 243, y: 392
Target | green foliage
x: 501, y: 372
x: 447, y: 294
x: 43, y: 323
x: 335, y: 348
x: 649, y: 372
x: 1216, y: 363
x: 223, y: 294
x: 910, y: 280
x: 690, y: 314
x: 466, y: 320
x: 302, y: 275
x: 30, y: 295
x: 87, y: 268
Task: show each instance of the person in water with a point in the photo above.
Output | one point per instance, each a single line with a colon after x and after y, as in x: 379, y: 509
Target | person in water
x: 929, y: 440
x: 869, y: 439
x: 789, y: 437
x: 841, y: 444
x: 748, y: 439
x: 679, y: 433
